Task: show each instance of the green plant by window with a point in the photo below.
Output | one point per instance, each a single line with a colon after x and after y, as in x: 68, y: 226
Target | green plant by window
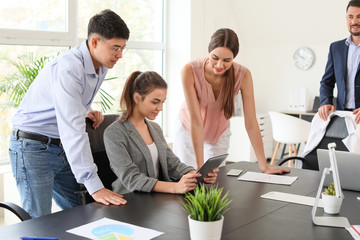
x: 206, y: 204
x: 106, y: 100
x: 28, y: 66
x: 330, y: 190
x: 17, y: 84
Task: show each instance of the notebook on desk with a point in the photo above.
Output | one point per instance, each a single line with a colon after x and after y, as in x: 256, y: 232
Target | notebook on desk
x: 348, y: 166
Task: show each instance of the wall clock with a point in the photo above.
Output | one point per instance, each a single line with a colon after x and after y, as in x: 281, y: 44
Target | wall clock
x: 304, y: 58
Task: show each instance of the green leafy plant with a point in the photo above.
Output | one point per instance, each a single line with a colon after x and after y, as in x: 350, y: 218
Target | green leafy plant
x: 106, y: 99
x: 206, y: 204
x: 28, y: 66
x: 330, y: 190
x: 17, y: 84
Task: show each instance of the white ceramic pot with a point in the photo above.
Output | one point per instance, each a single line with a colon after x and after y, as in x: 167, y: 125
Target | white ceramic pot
x: 205, y: 230
x: 332, y: 204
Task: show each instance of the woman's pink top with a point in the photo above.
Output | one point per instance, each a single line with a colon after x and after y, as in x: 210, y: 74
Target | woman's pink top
x: 213, y: 117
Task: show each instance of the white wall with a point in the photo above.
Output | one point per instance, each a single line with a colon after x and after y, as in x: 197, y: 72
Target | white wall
x: 271, y: 31
x: 178, y: 25
x: 269, y: 34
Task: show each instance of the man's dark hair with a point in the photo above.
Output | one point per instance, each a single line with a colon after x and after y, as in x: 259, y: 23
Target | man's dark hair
x: 353, y: 3
x: 108, y: 25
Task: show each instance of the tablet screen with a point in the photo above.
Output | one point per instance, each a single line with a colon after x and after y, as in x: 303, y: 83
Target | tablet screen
x: 209, y: 165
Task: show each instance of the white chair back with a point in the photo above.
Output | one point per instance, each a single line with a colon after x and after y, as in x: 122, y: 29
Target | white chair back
x: 289, y: 129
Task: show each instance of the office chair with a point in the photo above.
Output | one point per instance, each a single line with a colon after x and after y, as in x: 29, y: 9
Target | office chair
x: 96, y: 138
x: 288, y: 130
x: 316, y: 104
x: 17, y: 210
x: 336, y: 131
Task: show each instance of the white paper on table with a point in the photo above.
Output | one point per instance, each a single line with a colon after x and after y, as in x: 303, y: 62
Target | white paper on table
x: 267, y: 178
x: 106, y: 228
x: 292, y: 198
x: 354, y: 230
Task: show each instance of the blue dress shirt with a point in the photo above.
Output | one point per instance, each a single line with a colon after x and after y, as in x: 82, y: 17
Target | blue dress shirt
x: 56, y: 105
x: 352, y: 68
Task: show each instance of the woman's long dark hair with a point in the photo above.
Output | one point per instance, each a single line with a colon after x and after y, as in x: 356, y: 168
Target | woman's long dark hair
x: 142, y: 83
x: 225, y: 37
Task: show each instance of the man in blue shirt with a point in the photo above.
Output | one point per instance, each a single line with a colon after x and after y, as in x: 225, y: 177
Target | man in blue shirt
x: 49, y: 148
x: 342, y: 68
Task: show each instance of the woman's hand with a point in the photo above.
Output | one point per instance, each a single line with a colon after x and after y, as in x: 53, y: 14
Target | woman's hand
x: 187, y: 182
x: 275, y: 170
x: 211, y: 176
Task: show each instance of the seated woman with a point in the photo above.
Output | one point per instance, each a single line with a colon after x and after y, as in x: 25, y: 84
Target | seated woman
x: 136, y: 147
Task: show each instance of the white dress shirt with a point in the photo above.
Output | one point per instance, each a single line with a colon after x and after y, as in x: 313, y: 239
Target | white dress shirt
x: 318, y: 129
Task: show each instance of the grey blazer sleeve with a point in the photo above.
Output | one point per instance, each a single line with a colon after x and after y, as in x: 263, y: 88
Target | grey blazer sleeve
x: 175, y: 168
x: 126, y: 161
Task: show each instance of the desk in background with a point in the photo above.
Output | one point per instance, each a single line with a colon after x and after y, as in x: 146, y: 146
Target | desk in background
x: 307, y: 116
x: 250, y: 217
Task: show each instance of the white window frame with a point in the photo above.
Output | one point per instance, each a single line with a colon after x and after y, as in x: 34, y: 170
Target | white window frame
x: 44, y: 38
x: 71, y: 39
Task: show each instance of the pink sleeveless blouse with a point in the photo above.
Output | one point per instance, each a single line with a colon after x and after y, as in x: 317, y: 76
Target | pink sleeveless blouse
x: 213, y: 117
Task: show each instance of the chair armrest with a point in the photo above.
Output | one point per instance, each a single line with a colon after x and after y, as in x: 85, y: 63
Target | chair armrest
x: 281, y: 162
x: 84, y: 196
x: 17, y: 210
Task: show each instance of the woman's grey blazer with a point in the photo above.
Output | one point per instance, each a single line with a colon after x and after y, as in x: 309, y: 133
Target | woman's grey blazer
x: 131, y: 161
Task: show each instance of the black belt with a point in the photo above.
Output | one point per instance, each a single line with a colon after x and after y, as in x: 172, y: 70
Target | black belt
x: 349, y: 109
x: 36, y: 137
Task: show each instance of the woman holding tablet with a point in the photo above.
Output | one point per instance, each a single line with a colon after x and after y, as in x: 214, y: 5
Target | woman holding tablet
x: 136, y: 147
x: 210, y: 85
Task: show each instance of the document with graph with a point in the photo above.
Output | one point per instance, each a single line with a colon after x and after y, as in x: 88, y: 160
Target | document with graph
x: 110, y: 229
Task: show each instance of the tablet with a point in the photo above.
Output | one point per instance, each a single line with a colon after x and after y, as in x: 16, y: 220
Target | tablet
x: 209, y: 165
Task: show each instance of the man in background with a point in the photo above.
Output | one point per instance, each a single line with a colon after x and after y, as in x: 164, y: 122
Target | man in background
x: 49, y: 147
x: 342, y: 68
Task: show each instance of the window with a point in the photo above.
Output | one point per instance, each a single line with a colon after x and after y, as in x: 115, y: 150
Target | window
x: 38, y: 22
x: 144, y: 18
x: 46, y: 28
x: 133, y: 59
x: 17, y: 53
x: 41, y: 15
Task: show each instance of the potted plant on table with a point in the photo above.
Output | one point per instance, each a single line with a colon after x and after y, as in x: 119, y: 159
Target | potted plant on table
x: 331, y: 203
x: 206, y: 208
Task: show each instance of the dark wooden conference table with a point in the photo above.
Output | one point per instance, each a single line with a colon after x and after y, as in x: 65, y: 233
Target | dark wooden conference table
x: 250, y: 216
